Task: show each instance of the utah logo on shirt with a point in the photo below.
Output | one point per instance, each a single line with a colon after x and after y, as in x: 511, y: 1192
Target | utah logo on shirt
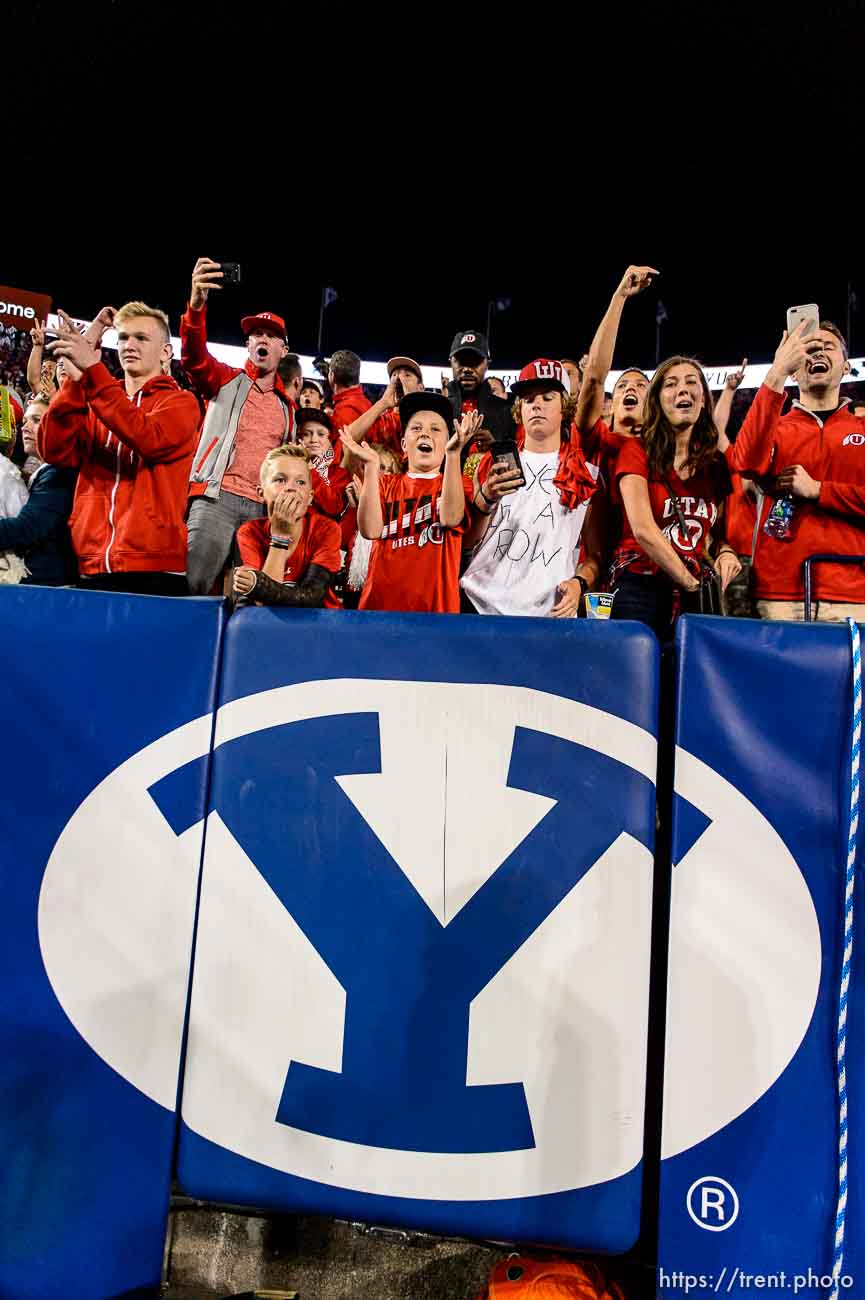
x: 695, y: 510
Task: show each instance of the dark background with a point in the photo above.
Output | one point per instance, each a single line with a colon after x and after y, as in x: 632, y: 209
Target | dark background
x: 423, y: 159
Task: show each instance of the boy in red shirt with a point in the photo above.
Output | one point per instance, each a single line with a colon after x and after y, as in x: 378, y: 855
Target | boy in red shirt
x: 416, y: 520
x: 329, y: 480
x: 291, y: 556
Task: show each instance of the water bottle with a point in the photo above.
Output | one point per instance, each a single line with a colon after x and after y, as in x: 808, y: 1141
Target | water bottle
x: 778, y: 522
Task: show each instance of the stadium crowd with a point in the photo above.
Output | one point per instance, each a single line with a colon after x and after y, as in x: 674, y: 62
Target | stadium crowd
x: 174, y: 476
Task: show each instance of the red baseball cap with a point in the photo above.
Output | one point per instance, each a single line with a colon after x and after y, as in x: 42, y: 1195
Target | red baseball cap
x: 265, y: 320
x: 541, y: 371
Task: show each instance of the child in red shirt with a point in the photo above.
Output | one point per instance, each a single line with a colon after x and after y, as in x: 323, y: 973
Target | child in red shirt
x: 416, y: 520
x: 291, y: 556
x: 329, y: 480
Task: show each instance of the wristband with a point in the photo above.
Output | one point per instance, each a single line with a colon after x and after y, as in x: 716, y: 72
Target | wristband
x: 280, y: 543
x: 480, y: 509
x: 584, y: 584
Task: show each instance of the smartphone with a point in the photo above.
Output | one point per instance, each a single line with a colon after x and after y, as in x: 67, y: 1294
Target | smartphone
x: 809, y: 312
x: 506, y: 452
x: 230, y: 272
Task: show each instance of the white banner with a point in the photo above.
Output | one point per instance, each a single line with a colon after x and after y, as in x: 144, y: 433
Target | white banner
x: 375, y: 372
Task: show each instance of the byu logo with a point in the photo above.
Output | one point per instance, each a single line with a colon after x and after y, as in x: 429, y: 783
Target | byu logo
x: 719, y: 1062
x: 421, y: 966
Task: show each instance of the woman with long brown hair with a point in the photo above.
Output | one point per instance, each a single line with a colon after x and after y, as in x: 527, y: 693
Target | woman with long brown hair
x: 673, y: 482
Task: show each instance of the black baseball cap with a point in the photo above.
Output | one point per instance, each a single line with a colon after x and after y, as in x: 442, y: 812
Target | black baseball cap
x: 425, y: 401
x: 312, y: 415
x: 470, y: 341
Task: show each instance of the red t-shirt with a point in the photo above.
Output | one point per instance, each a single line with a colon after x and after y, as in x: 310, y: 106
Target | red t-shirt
x: 415, y: 564
x: 261, y: 427
x: 319, y: 544
x: 602, y: 446
x: 700, y: 498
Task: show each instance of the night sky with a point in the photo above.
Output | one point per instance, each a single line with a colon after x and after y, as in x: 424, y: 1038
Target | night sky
x: 424, y: 159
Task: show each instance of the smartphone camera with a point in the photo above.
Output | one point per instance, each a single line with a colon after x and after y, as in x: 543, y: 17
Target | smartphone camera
x: 230, y: 272
x: 507, y: 453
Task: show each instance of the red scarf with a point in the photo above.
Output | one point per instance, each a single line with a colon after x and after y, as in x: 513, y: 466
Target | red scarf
x: 573, y: 477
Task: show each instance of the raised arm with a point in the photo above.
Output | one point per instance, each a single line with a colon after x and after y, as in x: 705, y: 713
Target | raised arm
x: 206, y: 374
x: 362, y: 425
x: 163, y: 433
x: 34, y: 361
x: 452, y: 505
x: 753, y: 447
x: 724, y: 404
x: 600, y: 360
x: 63, y: 437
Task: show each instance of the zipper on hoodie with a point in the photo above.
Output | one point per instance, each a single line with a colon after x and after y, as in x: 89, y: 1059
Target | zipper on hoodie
x: 111, y: 523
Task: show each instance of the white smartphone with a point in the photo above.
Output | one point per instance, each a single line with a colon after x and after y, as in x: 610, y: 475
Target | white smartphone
x: 809, y: 312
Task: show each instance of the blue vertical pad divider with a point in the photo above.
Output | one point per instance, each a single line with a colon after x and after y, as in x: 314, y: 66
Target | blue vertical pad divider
x: 421, y: 978
x: 104, y: 697
x: 750, y: 1142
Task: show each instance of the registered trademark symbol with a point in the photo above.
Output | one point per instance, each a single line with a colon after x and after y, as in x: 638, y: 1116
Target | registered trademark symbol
x: 712, y: 1203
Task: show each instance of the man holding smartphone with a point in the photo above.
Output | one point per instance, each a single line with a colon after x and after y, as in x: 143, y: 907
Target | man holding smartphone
x: 249, y: 413
x: 816, y: 455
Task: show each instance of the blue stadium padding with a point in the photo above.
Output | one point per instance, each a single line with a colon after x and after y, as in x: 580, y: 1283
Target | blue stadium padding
x: 95, y: 928
x: 749, y: 1179
x: 421, y: 977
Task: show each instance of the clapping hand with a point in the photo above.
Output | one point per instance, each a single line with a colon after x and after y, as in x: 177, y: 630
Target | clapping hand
x: 362, y: 450
x: 465, y: 431
x: 72, y: 348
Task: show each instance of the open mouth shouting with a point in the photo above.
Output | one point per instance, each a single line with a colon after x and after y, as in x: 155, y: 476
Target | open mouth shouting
x: 630, y: 401
x: 818, y: 366
x: 425, y: 445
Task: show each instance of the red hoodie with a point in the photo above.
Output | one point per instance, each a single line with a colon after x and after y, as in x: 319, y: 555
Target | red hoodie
x: 133, y: 456
x: 834, y: 454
